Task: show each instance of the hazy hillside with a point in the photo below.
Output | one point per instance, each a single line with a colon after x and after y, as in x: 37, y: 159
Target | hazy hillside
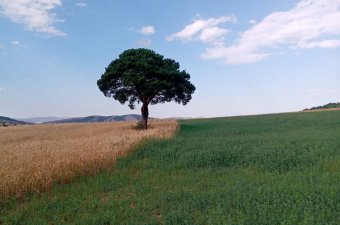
x: 6, y: 121
x: 41, y: 119
x: 93, y: 119
x: 327, y: 106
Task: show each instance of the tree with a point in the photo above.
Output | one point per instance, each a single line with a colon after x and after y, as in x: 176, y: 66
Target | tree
x: 143, y: 76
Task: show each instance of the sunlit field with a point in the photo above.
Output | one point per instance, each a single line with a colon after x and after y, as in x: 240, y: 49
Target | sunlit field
x: 35, y: 157
x: 252, y: 170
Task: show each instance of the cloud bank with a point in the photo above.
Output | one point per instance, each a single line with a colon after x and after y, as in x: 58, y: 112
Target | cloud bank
x: 36, y: 15
x: 309, y: 24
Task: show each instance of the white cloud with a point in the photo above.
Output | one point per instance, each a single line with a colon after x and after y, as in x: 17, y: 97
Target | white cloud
x: 80, y: 4
x: 147, y: 30
x: 307, y: 25
x: 204, y: 30
x: 322, y: 44
x: 213, y: 35
x: 143, y: 42
x: 36, y: 15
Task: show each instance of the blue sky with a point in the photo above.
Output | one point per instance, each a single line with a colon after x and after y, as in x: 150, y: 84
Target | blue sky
x: 244, y: 57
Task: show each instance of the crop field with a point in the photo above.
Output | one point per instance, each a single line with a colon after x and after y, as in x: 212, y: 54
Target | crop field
x: 252, y: 170
x: 35, y: 157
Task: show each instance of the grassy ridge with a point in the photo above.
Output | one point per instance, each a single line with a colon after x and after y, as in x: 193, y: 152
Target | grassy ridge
x: 270, y: 169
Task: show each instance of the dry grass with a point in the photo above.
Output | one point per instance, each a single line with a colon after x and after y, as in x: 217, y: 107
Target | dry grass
x: 35, y: 157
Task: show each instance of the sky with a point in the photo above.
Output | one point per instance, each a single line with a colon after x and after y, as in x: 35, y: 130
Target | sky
x: 244, y: 57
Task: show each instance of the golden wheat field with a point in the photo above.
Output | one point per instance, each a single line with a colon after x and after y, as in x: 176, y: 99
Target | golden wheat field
x: 32, y: 158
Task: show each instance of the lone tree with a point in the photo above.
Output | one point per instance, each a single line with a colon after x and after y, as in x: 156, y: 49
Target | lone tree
x: 143, y: 76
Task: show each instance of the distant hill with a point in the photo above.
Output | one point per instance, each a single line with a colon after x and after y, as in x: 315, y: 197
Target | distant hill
x: 42, y: 119
x: 6, y: 121
x: 94, y: 119
x: 327, y: 106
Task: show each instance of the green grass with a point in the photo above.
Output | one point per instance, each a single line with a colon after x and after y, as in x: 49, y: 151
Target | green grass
x: 270, y: 169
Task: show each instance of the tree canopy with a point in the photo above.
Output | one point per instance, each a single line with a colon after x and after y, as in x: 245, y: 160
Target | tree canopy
x: 143, y: 76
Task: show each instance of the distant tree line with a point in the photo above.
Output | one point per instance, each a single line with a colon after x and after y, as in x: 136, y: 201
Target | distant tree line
x: 327, y: 106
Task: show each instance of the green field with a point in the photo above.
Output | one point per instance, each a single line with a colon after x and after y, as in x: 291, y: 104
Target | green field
x: 267, y: 169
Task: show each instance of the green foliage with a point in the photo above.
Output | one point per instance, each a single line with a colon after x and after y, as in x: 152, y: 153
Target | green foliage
x: 256, y: 170
x: 327, y: 106
x: 141, y: 75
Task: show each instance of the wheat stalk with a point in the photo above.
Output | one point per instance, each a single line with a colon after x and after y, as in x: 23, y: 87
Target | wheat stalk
x: 32, y: 158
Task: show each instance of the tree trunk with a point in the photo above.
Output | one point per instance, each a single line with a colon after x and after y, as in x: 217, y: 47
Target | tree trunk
x: 145, y: 115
